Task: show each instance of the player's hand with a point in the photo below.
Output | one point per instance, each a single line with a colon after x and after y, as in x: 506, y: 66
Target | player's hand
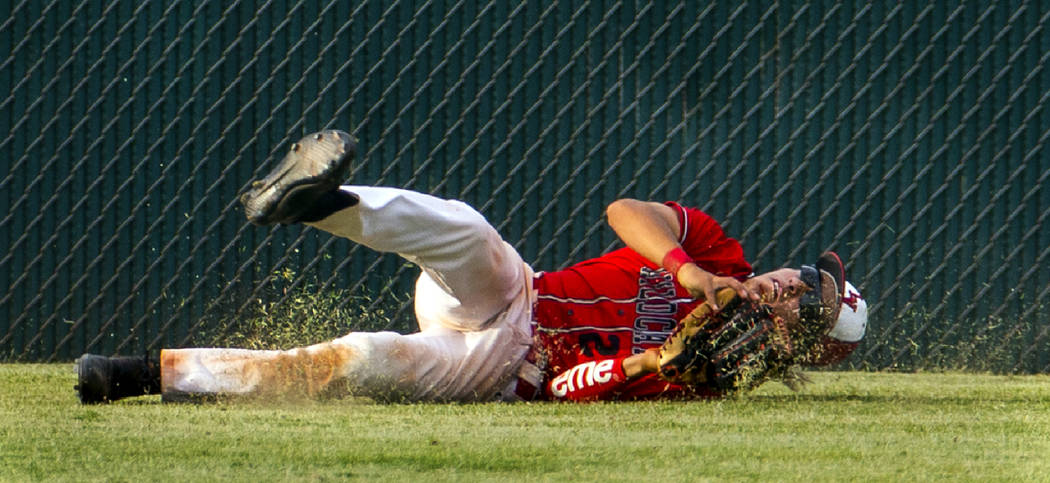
x: 641, y: 364
x: 703, y: 284
x: 764, y: 286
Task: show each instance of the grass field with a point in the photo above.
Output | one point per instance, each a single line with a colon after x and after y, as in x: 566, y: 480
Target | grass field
x: 845, y: 426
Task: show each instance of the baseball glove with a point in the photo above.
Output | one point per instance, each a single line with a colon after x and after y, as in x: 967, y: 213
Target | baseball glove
x: 729, y: 350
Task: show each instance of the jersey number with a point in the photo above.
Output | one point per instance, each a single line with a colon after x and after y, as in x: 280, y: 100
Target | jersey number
x: 594, y: 342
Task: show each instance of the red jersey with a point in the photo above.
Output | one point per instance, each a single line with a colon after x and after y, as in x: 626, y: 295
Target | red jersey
x: 620, y: 304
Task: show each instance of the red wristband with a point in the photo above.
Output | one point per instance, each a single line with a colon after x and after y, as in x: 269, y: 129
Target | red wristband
x: 675, y: 259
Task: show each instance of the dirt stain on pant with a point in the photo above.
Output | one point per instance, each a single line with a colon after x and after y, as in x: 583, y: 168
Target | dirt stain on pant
x: 306, y: 372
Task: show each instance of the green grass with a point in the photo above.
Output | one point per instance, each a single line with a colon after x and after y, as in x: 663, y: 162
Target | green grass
x: 845, y: 426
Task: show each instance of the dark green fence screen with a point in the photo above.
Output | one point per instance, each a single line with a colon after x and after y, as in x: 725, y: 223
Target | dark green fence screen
x: 911, y: 137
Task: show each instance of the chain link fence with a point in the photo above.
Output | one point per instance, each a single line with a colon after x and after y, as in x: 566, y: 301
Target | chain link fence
x: 908, y: 136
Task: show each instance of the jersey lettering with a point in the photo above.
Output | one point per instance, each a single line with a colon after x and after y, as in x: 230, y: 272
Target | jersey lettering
x: 644, y: 337
x: 656, y: 308
x: 663, y: 324
x: 650, y: 277
x: 582, y: 376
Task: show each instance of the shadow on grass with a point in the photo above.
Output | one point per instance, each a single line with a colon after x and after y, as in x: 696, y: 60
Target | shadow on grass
x: 909, y: 398
x: 866, y: 398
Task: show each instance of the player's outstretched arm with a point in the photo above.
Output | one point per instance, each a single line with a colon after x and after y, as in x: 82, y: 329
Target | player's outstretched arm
x: 601, y: 379
x: 652, y: 229
x: 639, y: 365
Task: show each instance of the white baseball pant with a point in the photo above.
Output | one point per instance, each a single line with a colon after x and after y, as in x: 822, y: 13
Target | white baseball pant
x: 473, y: 304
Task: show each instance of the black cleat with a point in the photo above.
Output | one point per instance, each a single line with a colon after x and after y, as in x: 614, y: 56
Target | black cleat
x: 103, y: 379
x: 314, y: 166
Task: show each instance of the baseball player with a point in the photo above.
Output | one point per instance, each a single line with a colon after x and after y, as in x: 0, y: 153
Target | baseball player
x: 490, y: 327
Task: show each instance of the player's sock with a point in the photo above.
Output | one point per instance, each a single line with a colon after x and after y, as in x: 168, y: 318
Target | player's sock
x: 328, y: 203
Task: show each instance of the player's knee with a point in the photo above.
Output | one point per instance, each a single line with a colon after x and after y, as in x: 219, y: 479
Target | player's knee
x: 379, y: 367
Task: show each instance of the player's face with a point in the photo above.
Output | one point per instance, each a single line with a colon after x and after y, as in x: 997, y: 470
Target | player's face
x: 781, y: 290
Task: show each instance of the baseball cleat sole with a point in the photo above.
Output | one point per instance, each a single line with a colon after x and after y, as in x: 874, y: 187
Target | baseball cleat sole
x: 314, y: 166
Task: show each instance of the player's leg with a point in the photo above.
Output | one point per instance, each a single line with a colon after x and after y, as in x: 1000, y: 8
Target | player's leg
x: 472, y: 301
x: 459, y: 251
x: 470, y: 273
x: 439, y: 364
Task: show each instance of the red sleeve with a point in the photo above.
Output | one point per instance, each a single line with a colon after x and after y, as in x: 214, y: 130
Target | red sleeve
x: 703, y: 239
x: 590, y: 381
